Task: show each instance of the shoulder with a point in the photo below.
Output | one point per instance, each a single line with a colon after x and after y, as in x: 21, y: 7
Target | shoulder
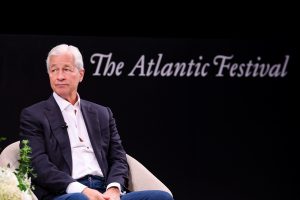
x: 34, y: 111
x: 38, y: 105
x: 96, y: 107
x: 92, y: 105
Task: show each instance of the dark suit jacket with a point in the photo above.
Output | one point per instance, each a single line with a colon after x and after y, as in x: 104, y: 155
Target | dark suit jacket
x: 43, y: 125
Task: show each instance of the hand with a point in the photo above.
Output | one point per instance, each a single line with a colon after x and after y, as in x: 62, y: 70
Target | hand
x: 112, y: 193
x: 94, y: 194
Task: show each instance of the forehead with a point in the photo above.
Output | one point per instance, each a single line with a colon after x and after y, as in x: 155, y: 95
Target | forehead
x: 63, y: 59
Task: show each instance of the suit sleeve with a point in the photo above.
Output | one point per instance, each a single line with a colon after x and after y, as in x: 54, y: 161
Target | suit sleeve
x: 35, y: 127
x: 118, y: 167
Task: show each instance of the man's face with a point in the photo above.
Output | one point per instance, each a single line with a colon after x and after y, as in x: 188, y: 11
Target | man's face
x: 64, y: 76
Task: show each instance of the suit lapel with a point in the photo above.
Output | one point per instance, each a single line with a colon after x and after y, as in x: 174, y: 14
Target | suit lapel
x: 59, y: 130
x: 91, y: 120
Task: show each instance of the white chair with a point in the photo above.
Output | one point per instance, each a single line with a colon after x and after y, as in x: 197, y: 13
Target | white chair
x: 140, y: 178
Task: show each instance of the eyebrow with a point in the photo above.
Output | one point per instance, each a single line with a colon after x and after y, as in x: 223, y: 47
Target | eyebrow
x: 64, y: 65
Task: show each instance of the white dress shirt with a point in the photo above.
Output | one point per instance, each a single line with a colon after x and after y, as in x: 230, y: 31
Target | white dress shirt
x: 84, y: 161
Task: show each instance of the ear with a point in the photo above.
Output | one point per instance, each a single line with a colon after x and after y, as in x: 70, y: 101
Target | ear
x: 81, y: 72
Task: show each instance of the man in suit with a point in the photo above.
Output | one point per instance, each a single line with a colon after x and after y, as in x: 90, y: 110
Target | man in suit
x: 77, y: 153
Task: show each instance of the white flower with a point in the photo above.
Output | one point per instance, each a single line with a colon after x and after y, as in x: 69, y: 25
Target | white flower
x: 26, y: 196
x: 9, y: 185
x: 9, y: 189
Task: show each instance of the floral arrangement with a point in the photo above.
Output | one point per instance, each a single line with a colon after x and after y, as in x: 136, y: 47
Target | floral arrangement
x: 16, y: 184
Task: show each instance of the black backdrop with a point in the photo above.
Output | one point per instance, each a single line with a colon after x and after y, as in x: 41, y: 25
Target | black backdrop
x: 204, y: 137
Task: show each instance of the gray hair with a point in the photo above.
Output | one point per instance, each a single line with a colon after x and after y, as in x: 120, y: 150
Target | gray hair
x: 64, y: 48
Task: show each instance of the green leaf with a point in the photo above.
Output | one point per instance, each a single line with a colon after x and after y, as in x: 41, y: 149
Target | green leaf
x: 25, y: 168
x: 2, y: 138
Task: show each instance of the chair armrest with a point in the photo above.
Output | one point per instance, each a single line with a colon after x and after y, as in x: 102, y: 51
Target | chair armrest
x: 140, y: 178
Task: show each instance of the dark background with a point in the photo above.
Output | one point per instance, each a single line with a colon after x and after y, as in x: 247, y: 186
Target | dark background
x: 205, y: 138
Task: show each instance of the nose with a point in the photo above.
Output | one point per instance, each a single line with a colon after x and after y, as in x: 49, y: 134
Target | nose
x: 60, y: 75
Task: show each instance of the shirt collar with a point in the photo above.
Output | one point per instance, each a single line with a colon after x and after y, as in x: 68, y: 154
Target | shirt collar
x: 64, y: 104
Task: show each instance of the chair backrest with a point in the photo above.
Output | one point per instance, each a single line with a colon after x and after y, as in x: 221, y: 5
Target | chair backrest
x: 140, y: 178
x: 10, y: 156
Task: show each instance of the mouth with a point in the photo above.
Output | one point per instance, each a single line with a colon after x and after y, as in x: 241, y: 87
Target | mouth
x: 60, y: 85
